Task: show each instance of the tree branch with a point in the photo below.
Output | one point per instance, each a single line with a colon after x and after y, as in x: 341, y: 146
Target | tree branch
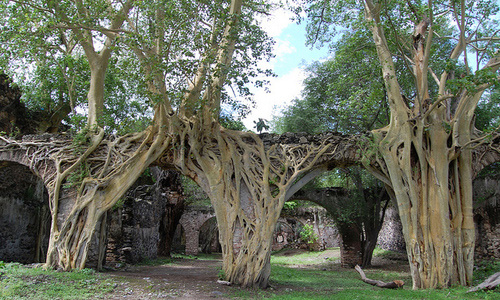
x: 396, y: 102
x: 387, y: 285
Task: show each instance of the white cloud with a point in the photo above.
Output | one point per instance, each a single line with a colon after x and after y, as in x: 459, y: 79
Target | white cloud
x: 283, y: 47
x: 282, y: 89
x: 277, y: 22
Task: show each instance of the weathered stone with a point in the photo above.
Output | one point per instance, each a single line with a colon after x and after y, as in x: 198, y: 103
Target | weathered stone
x: 24, y: 215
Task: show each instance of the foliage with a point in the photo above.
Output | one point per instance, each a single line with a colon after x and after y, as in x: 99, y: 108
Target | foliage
x: 46, y: 51
x: 76, y: 177
x: 488, y: 111
x: 261, y: 125
x: 289, y: 206
x: 229, y: 122
x: 308, y: 235
x: 485, y: 269
x: 193, y: 193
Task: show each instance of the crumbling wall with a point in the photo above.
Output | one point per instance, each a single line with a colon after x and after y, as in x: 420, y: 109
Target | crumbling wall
x: 391, y: 236
x: 133, y: 226
x: 24, y: 215
x: 487, y: 217
x: 287, y: 232
x: 192, y: 220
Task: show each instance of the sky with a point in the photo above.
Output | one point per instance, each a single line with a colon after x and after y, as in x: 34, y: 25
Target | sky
x: 291, y: 56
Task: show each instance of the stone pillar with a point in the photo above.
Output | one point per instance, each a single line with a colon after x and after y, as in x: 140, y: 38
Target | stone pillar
x: 192, y: 241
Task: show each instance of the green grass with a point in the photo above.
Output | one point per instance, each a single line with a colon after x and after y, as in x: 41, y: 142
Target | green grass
x: 294, y: 275
x: 305, y: 258
x: 296, y: 283
x: 291, y: 282
x: 485, y: 269
x: 21, y: 282
x: 156, y: 262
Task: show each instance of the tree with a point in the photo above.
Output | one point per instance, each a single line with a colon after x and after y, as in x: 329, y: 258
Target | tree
x: 187, y: 52
x: 53, y: 71
x: 425, y: 154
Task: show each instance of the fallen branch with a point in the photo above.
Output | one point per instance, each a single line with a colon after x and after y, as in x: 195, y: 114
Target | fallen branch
x: 387, y: 285
x: 490, y: 283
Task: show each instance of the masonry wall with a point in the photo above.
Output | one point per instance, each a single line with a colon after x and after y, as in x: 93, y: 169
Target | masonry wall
x: 487, y: 217
x: 24, y: 215
x: 391, y: 236
x: 133, y: 226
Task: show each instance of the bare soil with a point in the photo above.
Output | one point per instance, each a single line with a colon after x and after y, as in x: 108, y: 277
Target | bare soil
x: 182, y: 279
x: 197, y: 279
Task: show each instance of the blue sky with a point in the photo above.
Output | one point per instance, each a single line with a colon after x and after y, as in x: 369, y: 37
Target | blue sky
x: 301, y: 55
x: 292, y: 55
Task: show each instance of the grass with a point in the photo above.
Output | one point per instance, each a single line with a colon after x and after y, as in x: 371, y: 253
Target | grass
x: 322, y: 281
x: 303, y: 258
x: 294, y: 275
x: 22, y: 282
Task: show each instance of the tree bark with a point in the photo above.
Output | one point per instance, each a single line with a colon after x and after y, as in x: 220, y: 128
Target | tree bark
x: 425, y: 156
x: 112, y: 167
x: 351, y: 252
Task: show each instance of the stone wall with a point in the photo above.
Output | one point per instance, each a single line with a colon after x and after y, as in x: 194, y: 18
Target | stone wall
x: 133, y: 226
x: 192, y: 220
x: 287, y: 232
x: 24, y: 215
x: 391, y: 236
x: 193, y: 233
x: 487, y: 217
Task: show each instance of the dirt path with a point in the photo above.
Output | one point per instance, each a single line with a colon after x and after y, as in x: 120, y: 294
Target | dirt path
x: 197, y: 278
x: 182, y: 279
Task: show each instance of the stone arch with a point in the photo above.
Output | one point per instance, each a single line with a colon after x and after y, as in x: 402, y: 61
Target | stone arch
x: 349, y: 237
x: 192, y: 219
x: 209, y: 236
x: 25, y: 217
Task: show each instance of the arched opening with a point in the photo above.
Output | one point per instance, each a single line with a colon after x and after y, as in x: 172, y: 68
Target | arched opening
x: 24, y: 215
x: 179, y: 240
x: 209, y: 237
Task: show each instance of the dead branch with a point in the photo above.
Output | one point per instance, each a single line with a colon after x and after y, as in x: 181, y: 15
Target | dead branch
x: 387, y: 285
x: 490, y: 283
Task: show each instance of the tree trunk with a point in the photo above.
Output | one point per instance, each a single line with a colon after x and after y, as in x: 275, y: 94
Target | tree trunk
x: 351, y: 252
x: 247, y: 182
x: 367, y: 249
x: 95, y: 95
x: 112, y: 167
x: 245, y: 233
x: 433, y: 188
